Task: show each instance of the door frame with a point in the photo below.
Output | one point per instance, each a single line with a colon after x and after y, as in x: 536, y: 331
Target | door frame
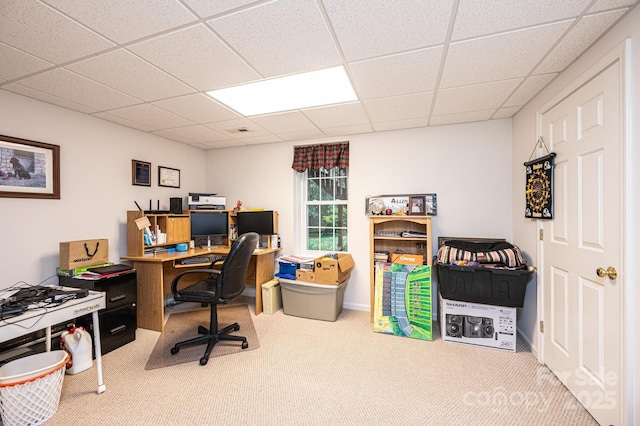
x: 619, y: 54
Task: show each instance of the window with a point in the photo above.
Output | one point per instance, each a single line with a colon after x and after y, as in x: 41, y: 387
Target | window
x: 325, y: 208
x: 322, y: 182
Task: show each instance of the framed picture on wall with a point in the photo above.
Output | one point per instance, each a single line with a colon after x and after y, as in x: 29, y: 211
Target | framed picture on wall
x: 140, y: 173
x: 29, y: 169
x: 168, y: 177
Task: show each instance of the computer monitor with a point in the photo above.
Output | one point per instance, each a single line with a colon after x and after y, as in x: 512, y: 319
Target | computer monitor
x: 259, y: 222
x: 209, y: 227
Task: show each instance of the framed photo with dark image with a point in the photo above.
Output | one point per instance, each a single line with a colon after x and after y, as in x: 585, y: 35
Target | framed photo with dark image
x: 416, y: 205
x: 168, y: 177
x: 140, y: 173
x: 29, y: 169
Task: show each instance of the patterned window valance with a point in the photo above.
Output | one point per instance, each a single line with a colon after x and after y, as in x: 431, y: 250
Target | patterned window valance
x: 317, y: 156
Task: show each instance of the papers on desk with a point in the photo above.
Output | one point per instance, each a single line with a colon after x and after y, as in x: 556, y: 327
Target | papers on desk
x: 292, y: 258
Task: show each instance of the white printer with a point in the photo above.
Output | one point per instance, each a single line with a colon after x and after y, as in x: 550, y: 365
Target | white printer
x: 206, y: 201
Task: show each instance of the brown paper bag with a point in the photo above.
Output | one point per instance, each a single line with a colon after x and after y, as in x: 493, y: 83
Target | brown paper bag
x: 76, y: 254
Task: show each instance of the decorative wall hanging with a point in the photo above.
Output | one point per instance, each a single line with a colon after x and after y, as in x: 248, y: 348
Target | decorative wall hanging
x: 539, y: 185
x: 29, y: 169
x: 140, y: 173
x: 168, y: 177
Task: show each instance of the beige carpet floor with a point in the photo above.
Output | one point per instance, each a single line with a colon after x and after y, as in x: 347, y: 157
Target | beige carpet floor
x: 182, y: 326
x: 309, y: 372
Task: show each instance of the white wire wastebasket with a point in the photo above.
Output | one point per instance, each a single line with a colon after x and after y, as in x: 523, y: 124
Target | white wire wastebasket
x: 30, y: 388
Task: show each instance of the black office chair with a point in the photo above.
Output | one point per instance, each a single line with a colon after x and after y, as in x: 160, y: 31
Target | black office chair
x: 220, y: 287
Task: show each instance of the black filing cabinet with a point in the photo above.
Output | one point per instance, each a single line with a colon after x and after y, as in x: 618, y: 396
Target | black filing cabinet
x: 118, y: 321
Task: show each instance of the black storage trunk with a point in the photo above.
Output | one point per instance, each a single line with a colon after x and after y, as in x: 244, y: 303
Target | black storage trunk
x: 489, y: 286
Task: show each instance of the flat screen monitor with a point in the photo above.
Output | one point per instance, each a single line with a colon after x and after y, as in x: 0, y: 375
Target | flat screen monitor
x: 259, y: 222
x: 208, y: 226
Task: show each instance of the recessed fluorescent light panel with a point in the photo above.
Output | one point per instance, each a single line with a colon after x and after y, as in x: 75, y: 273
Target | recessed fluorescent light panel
x: 311, y: 89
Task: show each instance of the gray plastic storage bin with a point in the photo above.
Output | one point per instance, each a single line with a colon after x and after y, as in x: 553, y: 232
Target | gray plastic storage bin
x: 309, y: 300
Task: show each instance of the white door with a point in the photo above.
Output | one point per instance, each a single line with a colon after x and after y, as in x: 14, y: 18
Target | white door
x: 582, y: 311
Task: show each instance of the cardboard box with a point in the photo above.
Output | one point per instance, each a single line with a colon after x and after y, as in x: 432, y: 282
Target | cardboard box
x: 271, y: 297
x: 407, y: 259
x: 76, y: 254
x: 478, y: 325
x: 308, y: 276
x: 333, y: 271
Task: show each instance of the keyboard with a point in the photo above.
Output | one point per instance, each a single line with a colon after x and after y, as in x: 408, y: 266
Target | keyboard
x: 200, y: 259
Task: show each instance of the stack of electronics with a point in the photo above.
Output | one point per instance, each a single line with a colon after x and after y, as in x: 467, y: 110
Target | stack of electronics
x: 16, y: 301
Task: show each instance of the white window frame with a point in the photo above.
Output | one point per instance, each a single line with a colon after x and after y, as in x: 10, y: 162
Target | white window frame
x: 300, y: 213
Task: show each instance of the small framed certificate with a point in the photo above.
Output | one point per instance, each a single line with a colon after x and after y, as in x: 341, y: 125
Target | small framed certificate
x: 140, y: 173
x: 168, y: 177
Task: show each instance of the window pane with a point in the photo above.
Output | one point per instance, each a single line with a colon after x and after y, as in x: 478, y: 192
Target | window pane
x: 313, y: 239
x: 341, y: 240
x: 326, y: 240
x: 327, y: 216
x: 313, y: 218
x: 341, y: 189
x: 313, y: 191
x: 326, y: 190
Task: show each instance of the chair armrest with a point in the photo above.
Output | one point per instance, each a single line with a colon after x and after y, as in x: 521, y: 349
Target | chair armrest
x: 209, y: 272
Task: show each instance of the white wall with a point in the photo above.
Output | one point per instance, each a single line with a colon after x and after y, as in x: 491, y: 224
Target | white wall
x: 524, y: 135
x: 468, y: 166
x: 95, y: 180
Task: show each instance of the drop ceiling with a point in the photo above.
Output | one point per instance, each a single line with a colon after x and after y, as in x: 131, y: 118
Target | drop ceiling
x: 147, y: 64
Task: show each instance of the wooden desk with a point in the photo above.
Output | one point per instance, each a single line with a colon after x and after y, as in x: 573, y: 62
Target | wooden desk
x: 156, y: 272
x: 37, y: 319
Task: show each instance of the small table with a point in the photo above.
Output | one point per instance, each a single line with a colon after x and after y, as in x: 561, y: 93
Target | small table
x: 37, y: 319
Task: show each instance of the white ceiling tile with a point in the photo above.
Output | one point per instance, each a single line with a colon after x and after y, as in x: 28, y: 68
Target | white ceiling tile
x: 208, y: 8
x: 298, y: 136
x: 481, y: 17
x: 45, y: 97
x: 127, y: 73
x: 415, y: 71
x: 166, y: 133
x: 197, y: 57
x: 506, y: 112
x: 588, y: 30
x: 78, y: 89
x: 286, y: 122
x: 483, y: 59
x: 16, y: 63
x: 400, y: 124
x: 151, y: 116
x: 403, y: 107
x: 284, y: 37
x: 195, y: 134
x: 348, y: 130
x: 261, y: 139
x: 121, y: 120
x: 465, y: 117
x: 528, y: 89
x: 56, y: 38
x: 124, y: 20
x: 198, y: 108
x: 369, y: 28
x: 337, y: 115
x: 473, y: 98
x: 231, y: 128
x: 229, y: 143
x: 601, y: 5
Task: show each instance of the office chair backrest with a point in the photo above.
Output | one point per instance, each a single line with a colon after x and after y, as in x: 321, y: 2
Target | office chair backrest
x: 234, y: 269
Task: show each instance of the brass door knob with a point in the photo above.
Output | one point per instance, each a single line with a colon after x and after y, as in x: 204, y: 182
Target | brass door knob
x: 609, y: 272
